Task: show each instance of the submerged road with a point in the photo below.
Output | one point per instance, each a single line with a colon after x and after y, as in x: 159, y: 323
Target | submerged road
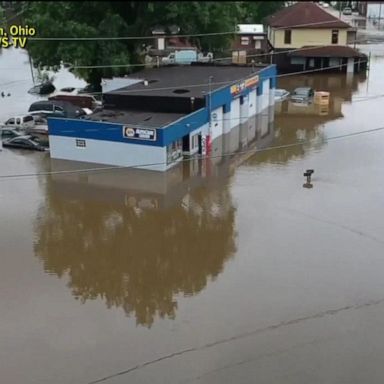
x: 223, y: 272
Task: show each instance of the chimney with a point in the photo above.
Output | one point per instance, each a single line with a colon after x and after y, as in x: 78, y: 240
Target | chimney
x: 192, y: 104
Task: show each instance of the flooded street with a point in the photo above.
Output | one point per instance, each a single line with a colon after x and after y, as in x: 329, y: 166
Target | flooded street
x: 224, y: 271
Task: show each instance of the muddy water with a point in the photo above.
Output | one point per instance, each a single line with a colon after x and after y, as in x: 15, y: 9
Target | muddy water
x: 217, y: 272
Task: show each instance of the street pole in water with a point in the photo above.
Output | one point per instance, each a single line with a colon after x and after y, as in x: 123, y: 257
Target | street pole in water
x: 31, y: 66
x: 210, y: 99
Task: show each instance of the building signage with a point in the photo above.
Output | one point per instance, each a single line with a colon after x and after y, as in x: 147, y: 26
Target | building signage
x: 237, y: 88
x: 139, y: 133
x: 249, y: 83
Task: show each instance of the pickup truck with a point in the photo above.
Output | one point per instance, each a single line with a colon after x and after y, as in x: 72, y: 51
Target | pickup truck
x: 19, y: 122
x: 186, y: 57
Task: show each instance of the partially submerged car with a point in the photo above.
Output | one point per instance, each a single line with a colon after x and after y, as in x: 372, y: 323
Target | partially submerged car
x: 55, y: 108
x: 302, y: 95
x: 281, y: 95
x: 24, y: 142
x: 42, y: 89
x: 9, y: 133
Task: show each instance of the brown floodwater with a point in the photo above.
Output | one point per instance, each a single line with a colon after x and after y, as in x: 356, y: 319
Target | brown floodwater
x: 219, y: 271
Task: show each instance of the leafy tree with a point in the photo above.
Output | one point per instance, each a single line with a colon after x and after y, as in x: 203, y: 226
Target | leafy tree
x: 2, y: 18
x: 137, y: 259
x: 129, y: 18
x: 257, y: 11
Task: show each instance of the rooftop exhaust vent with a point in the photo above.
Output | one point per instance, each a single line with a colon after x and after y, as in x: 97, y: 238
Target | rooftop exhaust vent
x: 181, y: 91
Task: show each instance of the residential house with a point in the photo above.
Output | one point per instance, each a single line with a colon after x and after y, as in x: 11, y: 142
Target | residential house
x: 304, y: 36
x: 251, y: 43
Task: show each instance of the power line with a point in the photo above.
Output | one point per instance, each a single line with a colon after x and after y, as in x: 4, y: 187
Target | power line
x: 232, y: 81
x: 96, y: 169
x: 316, y: 69
x: 128, y: 37
x: 213, y: 60
x: 165, y: 36
x: 311, y: 24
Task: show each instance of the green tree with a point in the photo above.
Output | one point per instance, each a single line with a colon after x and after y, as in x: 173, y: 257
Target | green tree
x: 2, y: 18
x: 130, y: 18
x: 257, y: 11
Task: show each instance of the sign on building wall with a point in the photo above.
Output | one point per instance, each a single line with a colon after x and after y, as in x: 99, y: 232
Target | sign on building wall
x: 249, y: 83
x: 139, y: 133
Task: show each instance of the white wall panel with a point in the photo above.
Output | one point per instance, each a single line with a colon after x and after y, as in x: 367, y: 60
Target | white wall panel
x: 252, y: 103
x: 235, y: 112
x: 108, y: 152
x: 217, y: 123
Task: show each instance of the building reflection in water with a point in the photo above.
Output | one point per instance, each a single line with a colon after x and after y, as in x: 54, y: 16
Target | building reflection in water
x: 137, y: 239
x: 296, y: 123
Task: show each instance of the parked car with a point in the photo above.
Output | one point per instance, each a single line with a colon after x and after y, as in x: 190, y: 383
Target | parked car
x: 55, y: 108
x: 281, y: 95
x: 82, y: 100
x: 71, y: 90
x: 9, y: 133
x: 302, y: 95
x: 325, y: 5
x: 24, y: 142
x: 347, y: 11
x: 90, y: 88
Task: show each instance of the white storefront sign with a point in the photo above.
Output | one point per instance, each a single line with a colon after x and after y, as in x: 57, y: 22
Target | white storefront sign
x: 139, y: 133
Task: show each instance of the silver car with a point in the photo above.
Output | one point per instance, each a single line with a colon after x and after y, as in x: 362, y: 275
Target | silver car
x: 302, y: 95
x: 281, y: 95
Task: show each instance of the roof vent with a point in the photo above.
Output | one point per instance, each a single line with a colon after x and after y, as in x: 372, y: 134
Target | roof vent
x: 146, y: 83
x: 181, y: 91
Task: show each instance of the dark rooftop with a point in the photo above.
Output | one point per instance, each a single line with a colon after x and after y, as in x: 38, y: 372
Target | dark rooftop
x: 186, y: 81
x: 141, y: 118
x: 305, y: 12
x: 328, y: 51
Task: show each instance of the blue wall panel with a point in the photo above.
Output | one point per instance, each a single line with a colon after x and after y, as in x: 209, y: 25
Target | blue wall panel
x: 87, y: 129
x: 114, y: 132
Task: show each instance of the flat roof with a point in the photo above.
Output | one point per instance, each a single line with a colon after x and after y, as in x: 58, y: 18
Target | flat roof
x: 141, y: 118
x: 187, y: 80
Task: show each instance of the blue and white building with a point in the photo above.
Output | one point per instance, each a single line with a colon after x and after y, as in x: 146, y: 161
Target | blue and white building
x: 169, y: 113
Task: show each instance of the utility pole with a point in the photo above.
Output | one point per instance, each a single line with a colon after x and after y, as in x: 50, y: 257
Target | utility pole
x: 31, y: 66
x: 210, y: 99
x: 29, y: 56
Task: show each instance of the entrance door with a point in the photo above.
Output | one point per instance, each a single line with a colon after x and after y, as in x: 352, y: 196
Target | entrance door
x: 186, y: 143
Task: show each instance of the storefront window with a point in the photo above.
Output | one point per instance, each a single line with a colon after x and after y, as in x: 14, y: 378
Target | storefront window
x: 174, y: 151
x: 195, y: 141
